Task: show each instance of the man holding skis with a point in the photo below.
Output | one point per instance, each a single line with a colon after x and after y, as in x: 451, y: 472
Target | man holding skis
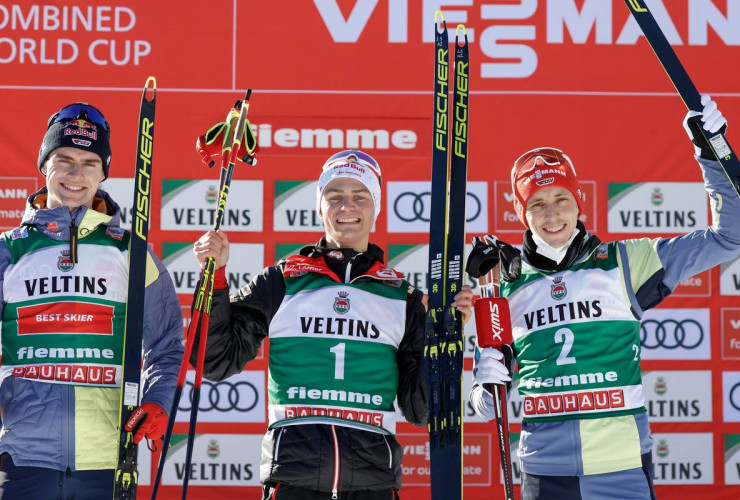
x: 346, y: 339
x: 587, y: 437
x: 63, y: 287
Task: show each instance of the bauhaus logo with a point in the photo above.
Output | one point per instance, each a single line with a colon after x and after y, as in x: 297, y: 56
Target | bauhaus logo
x: 657, y: 207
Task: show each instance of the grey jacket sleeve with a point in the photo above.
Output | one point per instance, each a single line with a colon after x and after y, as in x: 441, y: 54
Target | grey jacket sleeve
x: 162, y: 343
x: 656, y: 266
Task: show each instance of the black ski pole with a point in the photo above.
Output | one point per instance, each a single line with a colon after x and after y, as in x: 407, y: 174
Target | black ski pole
x: 685, y: 87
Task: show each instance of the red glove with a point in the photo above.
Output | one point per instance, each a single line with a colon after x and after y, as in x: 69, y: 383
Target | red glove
x: 148, y: 420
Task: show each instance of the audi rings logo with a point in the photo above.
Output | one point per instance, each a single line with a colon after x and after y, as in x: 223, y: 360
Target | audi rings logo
x: 671, y: 334
x: 734, y: 396
x: 222, y: 396
x: 411, y: 207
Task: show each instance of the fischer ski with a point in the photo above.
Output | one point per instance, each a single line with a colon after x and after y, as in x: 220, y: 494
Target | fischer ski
x: 443, y: 348
x: 237, y: 141
x: 126, y: 475
x: 685, y: 87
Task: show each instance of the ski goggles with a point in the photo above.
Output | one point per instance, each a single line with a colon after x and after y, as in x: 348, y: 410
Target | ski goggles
x: 80, y: 110
x: 354, y: 156
x: 549, y: 156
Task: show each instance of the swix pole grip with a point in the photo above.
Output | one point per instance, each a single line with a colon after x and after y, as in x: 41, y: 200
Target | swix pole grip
x: 493, y: 321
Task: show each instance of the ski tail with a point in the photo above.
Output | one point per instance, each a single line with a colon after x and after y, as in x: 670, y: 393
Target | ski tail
x: 126, y: 475
x: 685, y: 87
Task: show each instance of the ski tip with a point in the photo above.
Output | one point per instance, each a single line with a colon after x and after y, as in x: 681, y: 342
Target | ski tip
x: 248, y: 95
x: 461, y: 27
x: 151, y: 84
x: 437, y: 15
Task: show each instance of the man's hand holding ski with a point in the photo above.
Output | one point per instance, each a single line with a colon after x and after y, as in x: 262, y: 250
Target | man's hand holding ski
x: 147, y: 421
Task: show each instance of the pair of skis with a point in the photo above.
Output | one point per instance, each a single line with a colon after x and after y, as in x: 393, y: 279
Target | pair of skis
x: 443, y: 347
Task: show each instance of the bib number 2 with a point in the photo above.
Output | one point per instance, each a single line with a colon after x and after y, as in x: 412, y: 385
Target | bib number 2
x: 565, y: 337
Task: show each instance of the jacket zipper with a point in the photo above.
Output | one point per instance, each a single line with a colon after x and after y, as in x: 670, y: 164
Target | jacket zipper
x: 277, y: 444
x: 390, y: 453
x: 335, y: 483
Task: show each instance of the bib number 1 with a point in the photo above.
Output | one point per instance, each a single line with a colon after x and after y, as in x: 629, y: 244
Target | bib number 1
x: 338, y: 351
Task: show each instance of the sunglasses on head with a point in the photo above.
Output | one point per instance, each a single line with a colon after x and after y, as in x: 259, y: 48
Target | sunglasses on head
x: 357, y: 157
x: 80, y: 110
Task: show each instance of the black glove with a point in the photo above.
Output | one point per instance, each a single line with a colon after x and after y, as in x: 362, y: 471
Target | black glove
x: 489, y: 251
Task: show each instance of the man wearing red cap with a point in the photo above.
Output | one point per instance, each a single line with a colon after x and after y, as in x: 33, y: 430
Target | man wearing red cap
x: 346, y: 340
x: 576, y: 305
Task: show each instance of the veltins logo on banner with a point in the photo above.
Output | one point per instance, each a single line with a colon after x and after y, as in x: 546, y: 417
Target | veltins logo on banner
x: 240, y: 398
x: 678, y: 396
x: 506, y: 220
x: 246, y: 260
x: 657, y: 207
x: 409, y: 205
x: 729, y: 277
x: 13, y: 194
x: 218, y: 460
x: 191, y: 205
x: 675, y: 334
x: 122, y: 191
x: 731, y: 396
x: 683, y: 458
x: 732, y: 458
x: 295, y: 207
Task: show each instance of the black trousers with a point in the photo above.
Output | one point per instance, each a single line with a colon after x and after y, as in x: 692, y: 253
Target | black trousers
x: 41, y: 483
x: 285, y: 492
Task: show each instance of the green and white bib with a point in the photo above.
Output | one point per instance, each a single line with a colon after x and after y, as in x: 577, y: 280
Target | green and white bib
x: 333, y: 349
x: 576, y: 340
x: 62, y: 322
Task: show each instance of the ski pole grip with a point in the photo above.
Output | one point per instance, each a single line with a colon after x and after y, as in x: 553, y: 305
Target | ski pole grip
x: 493, y: 322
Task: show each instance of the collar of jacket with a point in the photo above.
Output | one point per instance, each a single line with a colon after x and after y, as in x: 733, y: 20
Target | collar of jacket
x: 337, y: 259
x: 55, y: 222
x: 583, y: 244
